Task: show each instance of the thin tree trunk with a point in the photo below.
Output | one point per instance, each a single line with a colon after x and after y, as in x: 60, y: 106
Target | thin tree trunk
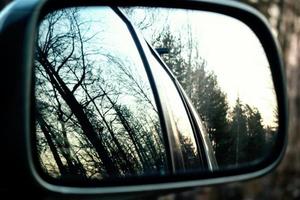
x: 116, y: 141
x: 76, y: 108
x: 46, y: 130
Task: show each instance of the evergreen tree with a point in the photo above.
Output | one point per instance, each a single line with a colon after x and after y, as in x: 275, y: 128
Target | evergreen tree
x: 238, y: 129
x: 256, y: 135
x: 202, y: 88
x: 212, y: 106
x: 190, y: 155
x: 249, y: 135
x: 173, y: 59
x: 243, y: 138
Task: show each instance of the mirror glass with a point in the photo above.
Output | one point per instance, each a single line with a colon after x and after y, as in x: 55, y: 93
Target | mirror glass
x: 200, y: 98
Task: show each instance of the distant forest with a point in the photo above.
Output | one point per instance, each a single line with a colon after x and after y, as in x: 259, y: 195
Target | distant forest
x: 237, y: 132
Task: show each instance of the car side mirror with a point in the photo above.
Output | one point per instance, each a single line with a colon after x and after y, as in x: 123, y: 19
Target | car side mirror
x: 126, y: 97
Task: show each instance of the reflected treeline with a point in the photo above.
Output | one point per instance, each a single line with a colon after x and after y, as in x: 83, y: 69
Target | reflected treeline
x: 237, y: 134
x: 95, y: 113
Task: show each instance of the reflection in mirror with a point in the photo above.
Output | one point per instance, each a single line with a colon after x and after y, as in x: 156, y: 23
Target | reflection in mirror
x: 222, y: 66
x: 96, y: 113
x: 96, y: 116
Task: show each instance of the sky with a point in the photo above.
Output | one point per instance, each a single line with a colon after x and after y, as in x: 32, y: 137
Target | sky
x: 232, y: 51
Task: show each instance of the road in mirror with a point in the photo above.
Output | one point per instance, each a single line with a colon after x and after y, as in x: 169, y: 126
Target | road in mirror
x: 99, y: 117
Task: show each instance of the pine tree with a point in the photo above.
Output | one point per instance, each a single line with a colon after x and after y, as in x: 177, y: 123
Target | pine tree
x: 202, y: 88
x: 173, y: 59
x: 248, y: 135
x: 238, y: 130
x: 212, y: 106
x: 257, y: 147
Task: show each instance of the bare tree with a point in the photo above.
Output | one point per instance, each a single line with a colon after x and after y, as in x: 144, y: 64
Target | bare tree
x: 99, y: 123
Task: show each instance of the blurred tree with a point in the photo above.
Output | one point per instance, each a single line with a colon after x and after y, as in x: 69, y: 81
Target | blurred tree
x: 211, y: 103
x: 201, y: 86
x: 257, y: 144
x: 239, y: 129
x: 190, y: 155
x: 173, y: 58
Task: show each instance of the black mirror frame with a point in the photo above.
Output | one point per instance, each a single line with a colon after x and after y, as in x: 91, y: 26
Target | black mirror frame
x: 18, y: 25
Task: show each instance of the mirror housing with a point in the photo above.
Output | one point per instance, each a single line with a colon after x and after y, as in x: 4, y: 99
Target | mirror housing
x: 18, y: 26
